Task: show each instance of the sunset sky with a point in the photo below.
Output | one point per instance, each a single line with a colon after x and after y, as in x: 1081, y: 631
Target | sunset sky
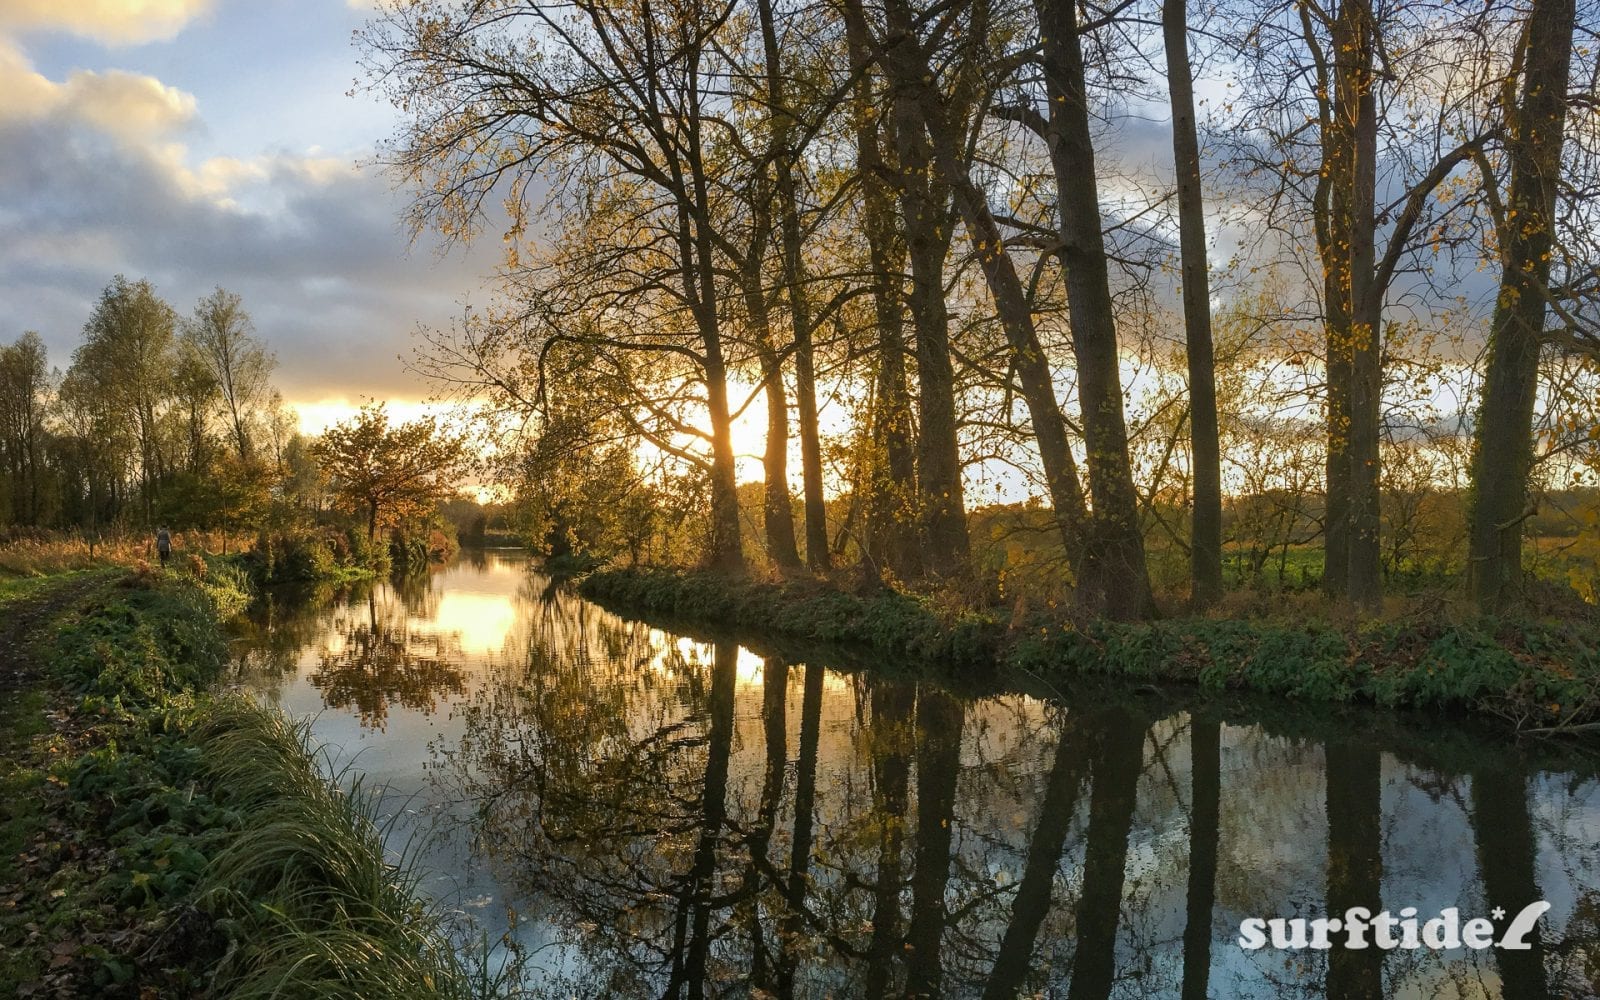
x: 207, y: 142
x: 199, y: 143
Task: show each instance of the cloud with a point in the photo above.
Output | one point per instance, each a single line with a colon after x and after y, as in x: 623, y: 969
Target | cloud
x: 131, y: 106
x: 310, y: 242
x: 111, y: 22
x: 97, y: 178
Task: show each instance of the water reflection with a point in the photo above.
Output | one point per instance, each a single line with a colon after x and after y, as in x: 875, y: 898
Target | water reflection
x: 674, y: 818
x: 371, y: 661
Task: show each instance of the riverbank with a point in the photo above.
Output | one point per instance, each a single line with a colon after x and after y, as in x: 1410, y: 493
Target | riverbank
x: 1531, y: 675
x: 157, y: 839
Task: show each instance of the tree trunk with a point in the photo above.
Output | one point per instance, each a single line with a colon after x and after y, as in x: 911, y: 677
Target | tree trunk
x: 1205, y: 537
x: 909, y: 68
x: 1332, y: 217
x: 794, y: 277
x: 946, y: 544
x: 1502, y: 457
x: 891, y: 518
x: 891, y: 525
x: 1364, y: 586
x: 699, y: 278
x: 924, y: 214
x: 777, y: 511
x: 1122, y: 586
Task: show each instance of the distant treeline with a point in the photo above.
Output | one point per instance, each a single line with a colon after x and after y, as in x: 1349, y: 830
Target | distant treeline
x: 158, y: 418
x: 163, y: 419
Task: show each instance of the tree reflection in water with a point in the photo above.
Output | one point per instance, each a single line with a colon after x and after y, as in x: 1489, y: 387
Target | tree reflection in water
x: 830, y: 837
x: 381, y: 658
x: 686, y: 819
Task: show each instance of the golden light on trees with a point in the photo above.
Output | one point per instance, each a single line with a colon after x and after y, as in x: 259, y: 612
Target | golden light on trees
x: 390, y: 475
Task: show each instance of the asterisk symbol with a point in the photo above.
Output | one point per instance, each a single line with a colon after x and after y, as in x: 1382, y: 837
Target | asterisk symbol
x: 1499, y: 913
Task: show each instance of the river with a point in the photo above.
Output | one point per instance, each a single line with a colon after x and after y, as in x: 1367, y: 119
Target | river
x: 640, y: 813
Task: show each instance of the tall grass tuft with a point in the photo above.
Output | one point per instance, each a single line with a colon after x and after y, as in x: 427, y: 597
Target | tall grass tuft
x: 303, y: 890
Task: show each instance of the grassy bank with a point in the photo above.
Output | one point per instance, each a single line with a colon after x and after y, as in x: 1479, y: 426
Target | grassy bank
x: 1531, y: 674
x: 160, y: 840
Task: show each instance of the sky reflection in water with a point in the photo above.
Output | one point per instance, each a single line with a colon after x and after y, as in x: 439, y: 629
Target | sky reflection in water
x: 666, y: 816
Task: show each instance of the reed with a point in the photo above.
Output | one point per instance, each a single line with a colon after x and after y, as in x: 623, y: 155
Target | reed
x: 42, y: 553
x: 311, y: 904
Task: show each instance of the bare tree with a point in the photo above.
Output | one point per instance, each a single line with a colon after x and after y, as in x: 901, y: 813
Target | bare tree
x: 1205, y: 544
x: 622, y: 98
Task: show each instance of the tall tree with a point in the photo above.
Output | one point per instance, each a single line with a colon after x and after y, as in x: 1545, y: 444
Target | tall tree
x: 625, y: 99
x: 241, y: 367
x: 909, y: 65
x: 1116, y: 539
x: 1319, y: 129
x: 195, y: 393
x: 1356, y: 109
x: 927, y: 224
x: 1205, y: 537
x: 1502, y: 458
x: 796, y: 290
x: 127, y: 356
x: 24, y: 383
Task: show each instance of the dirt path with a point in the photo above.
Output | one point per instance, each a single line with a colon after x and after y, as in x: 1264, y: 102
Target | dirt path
x: 21, y: 618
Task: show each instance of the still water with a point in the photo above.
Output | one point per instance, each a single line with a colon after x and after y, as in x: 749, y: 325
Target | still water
x: 646, y: 814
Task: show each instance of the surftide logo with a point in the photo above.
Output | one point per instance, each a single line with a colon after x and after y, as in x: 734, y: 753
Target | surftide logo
x: 1360, y: 928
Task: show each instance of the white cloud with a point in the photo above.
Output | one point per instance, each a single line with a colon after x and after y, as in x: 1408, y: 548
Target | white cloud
x: 24, y: 93
x: 128, y: 105
x: 111, y: 22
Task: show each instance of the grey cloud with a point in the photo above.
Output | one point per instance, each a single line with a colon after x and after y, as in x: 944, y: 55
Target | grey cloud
x: 323, y: 268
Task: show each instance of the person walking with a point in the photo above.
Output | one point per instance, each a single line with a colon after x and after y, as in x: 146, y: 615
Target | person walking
x: 163, y: 545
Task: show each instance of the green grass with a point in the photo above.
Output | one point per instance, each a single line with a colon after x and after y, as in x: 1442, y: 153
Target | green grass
x: 14, y: 588
x: 309, y: 900
x: 194, y: 845
x: 21, y: 720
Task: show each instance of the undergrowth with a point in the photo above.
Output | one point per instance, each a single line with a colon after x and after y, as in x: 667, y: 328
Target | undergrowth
x: 189, y: 844
x: 1532, y: 673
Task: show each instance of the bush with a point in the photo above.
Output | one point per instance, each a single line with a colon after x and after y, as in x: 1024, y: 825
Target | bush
x: 308, y: 556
